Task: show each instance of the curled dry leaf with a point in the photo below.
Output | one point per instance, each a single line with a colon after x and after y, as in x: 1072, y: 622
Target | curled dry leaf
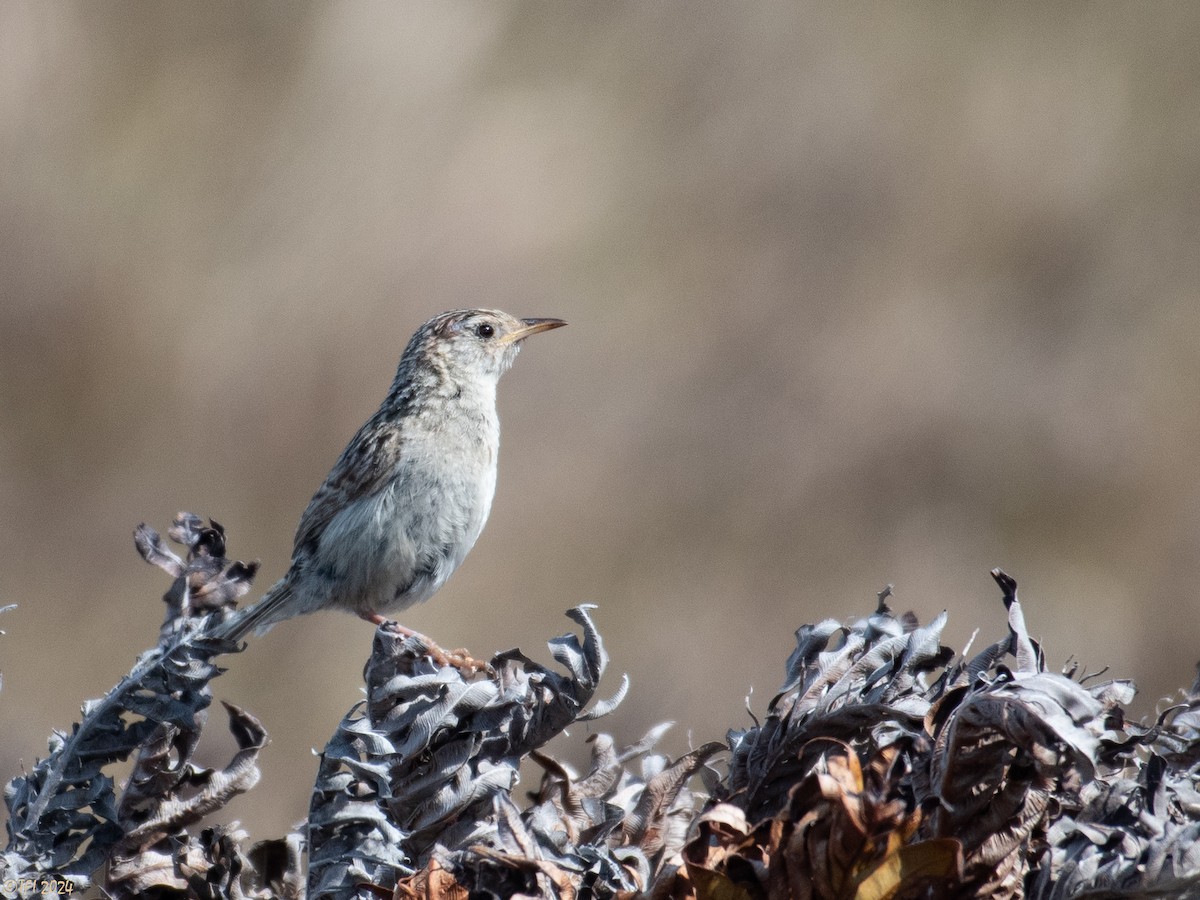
x: 431, y: 755
x: 850, y: 833
x: 992, y: 749
x: 845, y: 833
x: 64, y: 816
x: 164, y: 797
x: 206, y: 581
x: 416, y: 788
x: 431, y: 883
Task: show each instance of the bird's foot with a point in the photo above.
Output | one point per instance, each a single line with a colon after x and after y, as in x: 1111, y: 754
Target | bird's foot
x: 460, y: 659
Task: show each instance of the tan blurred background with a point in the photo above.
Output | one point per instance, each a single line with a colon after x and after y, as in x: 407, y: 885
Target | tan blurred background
x: 858, y: 295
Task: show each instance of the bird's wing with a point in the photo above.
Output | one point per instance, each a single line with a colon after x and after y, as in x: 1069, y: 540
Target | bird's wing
x: 365, y: 467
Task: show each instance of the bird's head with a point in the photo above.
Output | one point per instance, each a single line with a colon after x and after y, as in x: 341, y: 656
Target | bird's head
x: 477, y: 343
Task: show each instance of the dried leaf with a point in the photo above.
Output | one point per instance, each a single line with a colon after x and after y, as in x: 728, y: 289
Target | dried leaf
x: 431, y: 761
x: 431, y: 883
x: 937, y: 860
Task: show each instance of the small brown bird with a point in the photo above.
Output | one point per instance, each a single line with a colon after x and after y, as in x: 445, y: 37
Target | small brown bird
x: 410, y: 494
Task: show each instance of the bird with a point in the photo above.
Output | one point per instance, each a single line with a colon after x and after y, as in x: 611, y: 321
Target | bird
x: 410, y: 494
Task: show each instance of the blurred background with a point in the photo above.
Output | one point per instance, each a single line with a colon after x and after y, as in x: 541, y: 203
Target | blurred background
x: 858, y: 294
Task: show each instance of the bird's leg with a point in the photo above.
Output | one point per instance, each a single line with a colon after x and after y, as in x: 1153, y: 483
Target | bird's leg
x: 460, y: 659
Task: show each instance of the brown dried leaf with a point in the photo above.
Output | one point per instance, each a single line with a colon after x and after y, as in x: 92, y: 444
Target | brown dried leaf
x: 720, y: 832
x: 722, y: 836
x: 844, y: 834
x: 646, y: 827
x: 431, y: 883
x: 908, y: 867
x: 709, y: 885
x: 1005, y: 751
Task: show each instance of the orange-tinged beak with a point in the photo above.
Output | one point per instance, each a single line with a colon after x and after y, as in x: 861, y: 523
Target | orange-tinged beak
x: 532, y: 326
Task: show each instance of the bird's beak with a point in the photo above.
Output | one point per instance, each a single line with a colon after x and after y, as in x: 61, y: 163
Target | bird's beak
x: 531, y: 326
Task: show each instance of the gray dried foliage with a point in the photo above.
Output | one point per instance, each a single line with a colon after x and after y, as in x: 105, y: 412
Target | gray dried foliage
x: 422, y: 773
x: 886, y: 766
x: 1135, y: 832
x: 66, y: 816
x: 1035, y: 775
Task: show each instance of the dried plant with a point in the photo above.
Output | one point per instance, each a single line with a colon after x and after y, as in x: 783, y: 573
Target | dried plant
x: 66, y: 818
x: 886, y: 766
x: 418, y: 781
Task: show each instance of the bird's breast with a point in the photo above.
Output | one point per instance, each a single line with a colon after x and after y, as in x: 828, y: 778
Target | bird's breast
x: 435, y: 509
x: 452, y: 481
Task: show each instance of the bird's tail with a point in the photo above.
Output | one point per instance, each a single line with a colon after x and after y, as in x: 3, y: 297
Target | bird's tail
x: 257, y: 618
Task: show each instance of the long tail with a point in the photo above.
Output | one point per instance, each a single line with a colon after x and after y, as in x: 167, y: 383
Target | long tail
x: 257, y: 618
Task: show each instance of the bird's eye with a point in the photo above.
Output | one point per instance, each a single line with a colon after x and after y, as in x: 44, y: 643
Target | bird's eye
x: 485, y: 330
